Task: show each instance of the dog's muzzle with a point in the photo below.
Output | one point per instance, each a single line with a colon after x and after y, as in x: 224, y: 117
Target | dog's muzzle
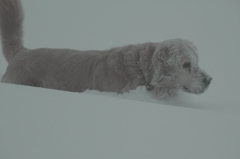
x: 207, y: 80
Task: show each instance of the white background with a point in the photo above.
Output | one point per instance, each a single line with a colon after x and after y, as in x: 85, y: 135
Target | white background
x: 41, y: 123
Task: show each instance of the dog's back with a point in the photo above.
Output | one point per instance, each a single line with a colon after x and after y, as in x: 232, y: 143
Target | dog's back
x: 11, y: 19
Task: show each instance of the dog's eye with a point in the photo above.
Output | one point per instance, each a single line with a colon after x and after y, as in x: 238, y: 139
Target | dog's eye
x: 187, y: 65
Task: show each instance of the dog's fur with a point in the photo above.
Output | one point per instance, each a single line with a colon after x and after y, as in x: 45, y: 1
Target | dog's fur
x: 164, y: 68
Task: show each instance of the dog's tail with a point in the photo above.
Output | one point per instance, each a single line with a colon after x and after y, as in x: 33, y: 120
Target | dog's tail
x: 11, y: 29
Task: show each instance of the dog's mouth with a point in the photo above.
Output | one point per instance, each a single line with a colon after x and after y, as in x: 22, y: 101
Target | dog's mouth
x: 185, y: 89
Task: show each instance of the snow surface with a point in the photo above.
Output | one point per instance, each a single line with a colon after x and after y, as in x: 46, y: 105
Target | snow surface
x: 41, y: 123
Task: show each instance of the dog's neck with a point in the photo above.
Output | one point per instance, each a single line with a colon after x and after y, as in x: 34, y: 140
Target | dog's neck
x: 136, y: 66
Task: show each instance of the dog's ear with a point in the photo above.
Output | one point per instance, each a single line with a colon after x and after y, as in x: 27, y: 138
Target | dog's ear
x: 165, y: 60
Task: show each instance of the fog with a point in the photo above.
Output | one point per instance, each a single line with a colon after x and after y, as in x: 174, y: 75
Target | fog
x: 42, y: 123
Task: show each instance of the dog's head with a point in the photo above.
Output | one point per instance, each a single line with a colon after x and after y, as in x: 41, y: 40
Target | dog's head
x: 175, y: 66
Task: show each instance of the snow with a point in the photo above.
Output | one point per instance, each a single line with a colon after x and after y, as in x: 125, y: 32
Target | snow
x: 43, y: 123
x: 40, y: 123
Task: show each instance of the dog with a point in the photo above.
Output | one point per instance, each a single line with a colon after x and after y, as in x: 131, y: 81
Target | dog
x: 163, y: 68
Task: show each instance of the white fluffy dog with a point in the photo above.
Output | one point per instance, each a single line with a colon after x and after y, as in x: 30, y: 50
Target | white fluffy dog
x: 164, y: 68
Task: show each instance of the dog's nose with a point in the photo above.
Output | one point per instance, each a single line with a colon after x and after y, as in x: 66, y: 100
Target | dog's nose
x: 207, y: 80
